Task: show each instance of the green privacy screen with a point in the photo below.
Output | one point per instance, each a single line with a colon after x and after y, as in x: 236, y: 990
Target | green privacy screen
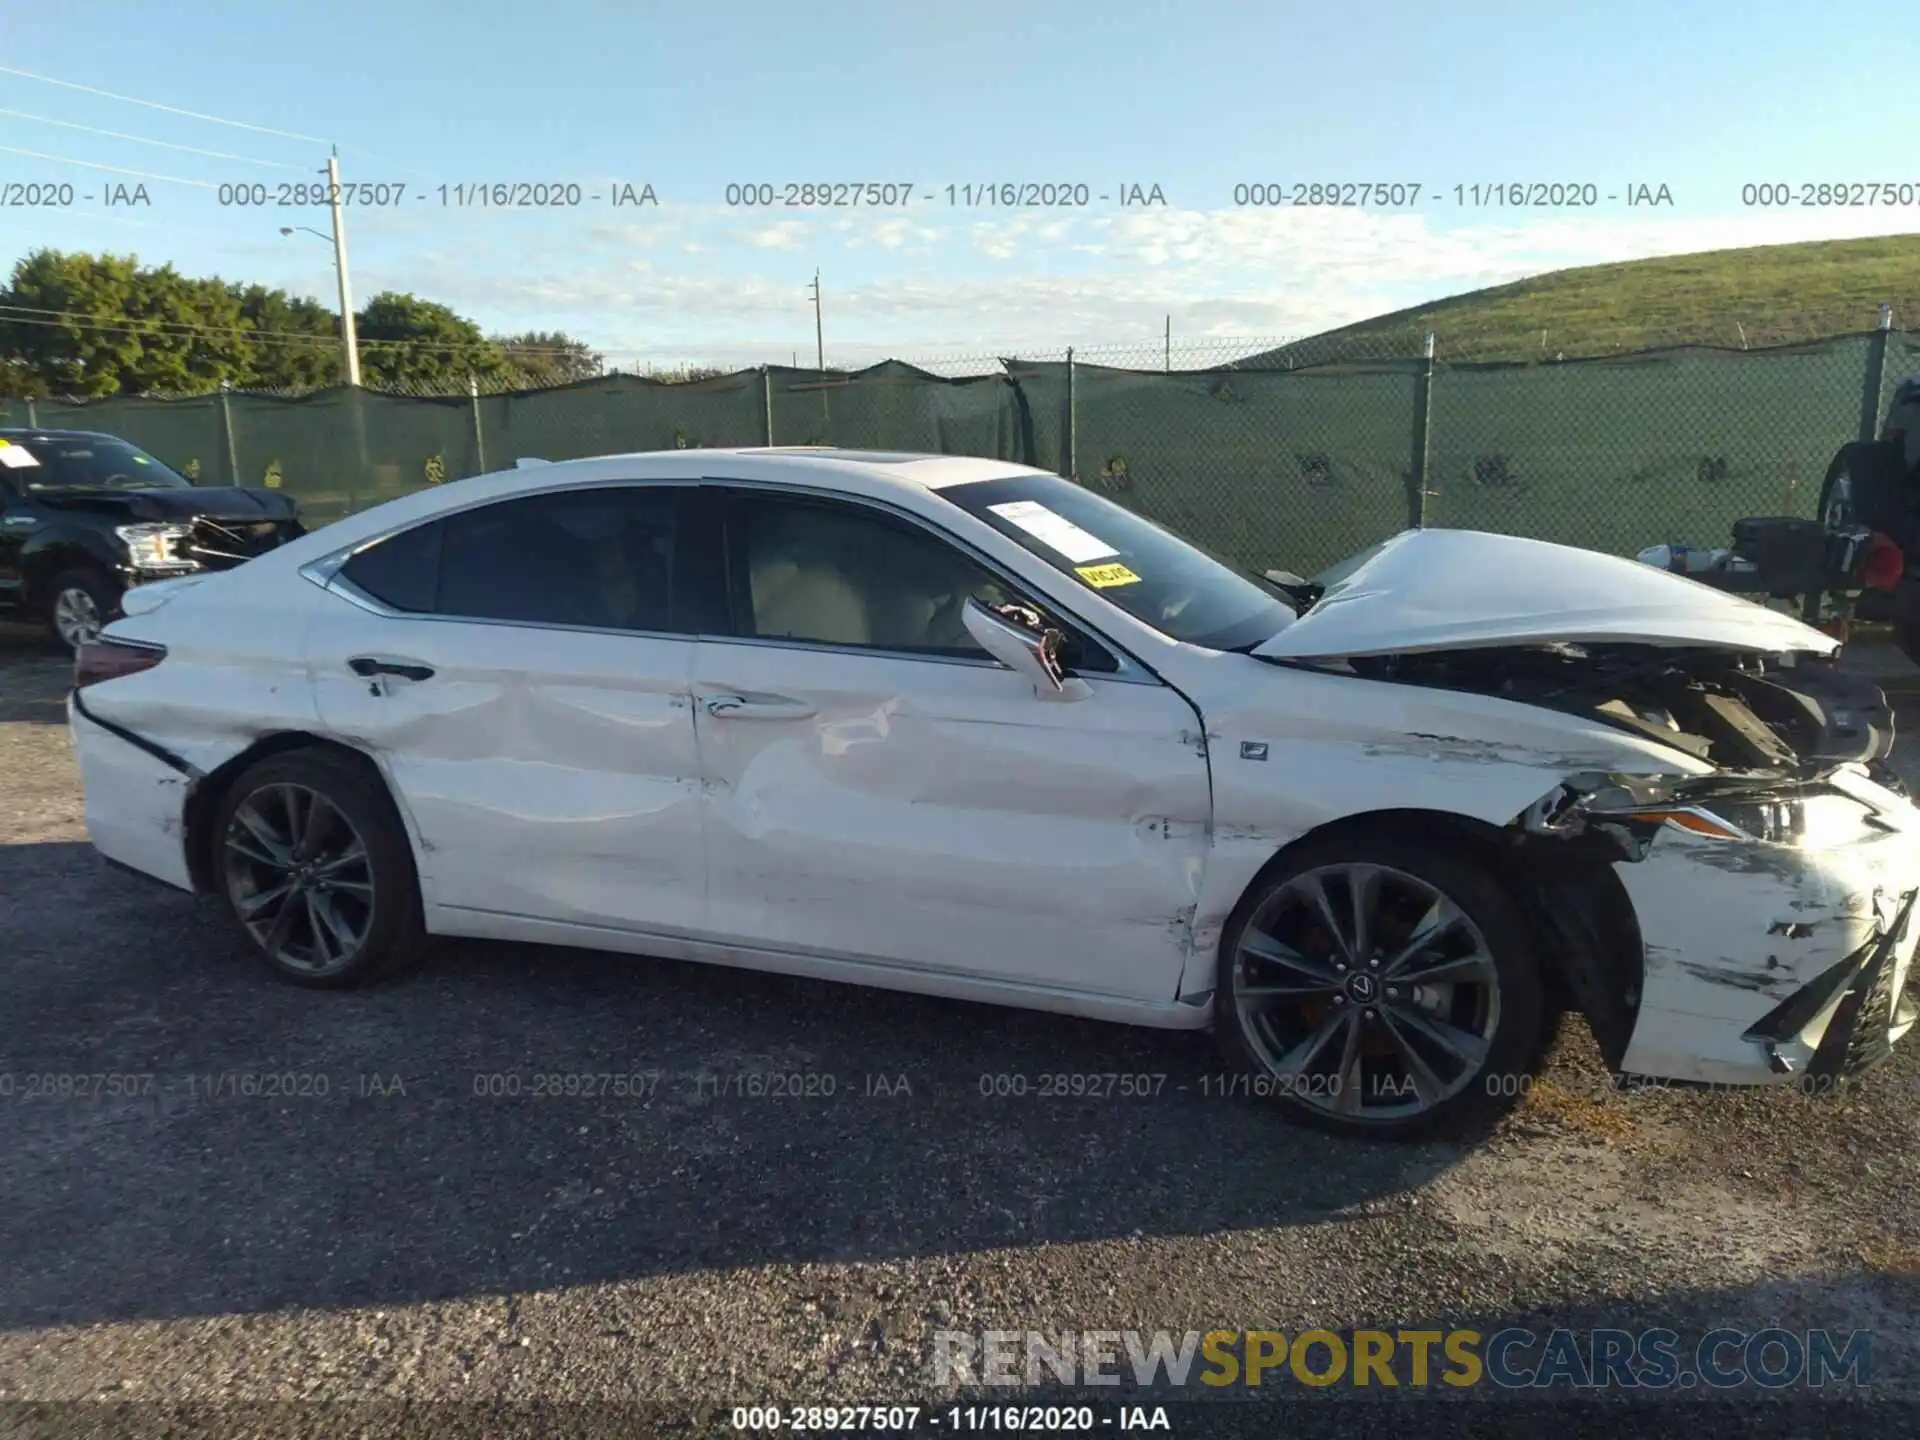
x: 1265, y: 468
x: 1268, y: 467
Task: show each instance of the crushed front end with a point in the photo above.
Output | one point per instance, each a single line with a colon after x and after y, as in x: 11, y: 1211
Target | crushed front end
x: 1770, y: 929
x: 1775, y: 917
x: 165, y: 549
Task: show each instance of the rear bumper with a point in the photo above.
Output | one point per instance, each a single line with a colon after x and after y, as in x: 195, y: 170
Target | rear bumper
x: 135, y: 801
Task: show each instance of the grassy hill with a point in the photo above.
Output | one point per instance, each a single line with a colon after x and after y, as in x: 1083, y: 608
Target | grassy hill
x: 1763, y: 295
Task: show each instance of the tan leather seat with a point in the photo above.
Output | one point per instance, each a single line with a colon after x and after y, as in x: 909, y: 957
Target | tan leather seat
x: 795, y: 601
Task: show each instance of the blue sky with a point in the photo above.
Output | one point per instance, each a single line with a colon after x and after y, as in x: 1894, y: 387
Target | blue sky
x: 1193, y: 97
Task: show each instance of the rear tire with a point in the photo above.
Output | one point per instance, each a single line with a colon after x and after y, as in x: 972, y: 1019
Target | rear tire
x: 79, y: 603
x: 1867, y: 485
x: 1425, y: 1017
x: 314, y: 865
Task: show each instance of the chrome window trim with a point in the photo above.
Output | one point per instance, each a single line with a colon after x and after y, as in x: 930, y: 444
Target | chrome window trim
x: 1132, y: 670
x: 324, y: 572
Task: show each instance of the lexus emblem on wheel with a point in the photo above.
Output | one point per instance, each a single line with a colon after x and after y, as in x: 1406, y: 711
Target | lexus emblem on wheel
x: 1363, y: 988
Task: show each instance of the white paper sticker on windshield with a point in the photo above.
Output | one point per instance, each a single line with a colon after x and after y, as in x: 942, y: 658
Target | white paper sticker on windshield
x: 15, y: 458
x: 1056, y: 532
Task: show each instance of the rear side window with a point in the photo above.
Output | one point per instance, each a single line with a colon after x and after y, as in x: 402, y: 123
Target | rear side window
x: 402, y: 571
x: 602, y: 558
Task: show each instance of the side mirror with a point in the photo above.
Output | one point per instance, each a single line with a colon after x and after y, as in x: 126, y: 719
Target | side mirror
x: 1018, y: 639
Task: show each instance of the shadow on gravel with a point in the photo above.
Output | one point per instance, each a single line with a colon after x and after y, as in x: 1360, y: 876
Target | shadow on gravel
x: 33, y: 687
x: 266, y: 1146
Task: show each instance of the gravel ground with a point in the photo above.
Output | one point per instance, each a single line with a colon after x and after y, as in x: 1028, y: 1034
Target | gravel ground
x: 384, y: 1237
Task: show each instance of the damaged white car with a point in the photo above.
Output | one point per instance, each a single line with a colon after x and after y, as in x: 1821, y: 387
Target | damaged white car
x: 961, y: 727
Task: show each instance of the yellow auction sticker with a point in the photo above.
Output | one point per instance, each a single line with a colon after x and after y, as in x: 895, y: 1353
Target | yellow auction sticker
x: 1105, y: 577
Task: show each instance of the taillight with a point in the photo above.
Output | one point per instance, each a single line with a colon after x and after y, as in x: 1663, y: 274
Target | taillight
x: 105, y: 659
x: 1884, y: 564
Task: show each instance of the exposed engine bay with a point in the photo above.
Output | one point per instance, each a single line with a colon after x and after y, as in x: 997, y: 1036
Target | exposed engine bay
x: 1736, y: 712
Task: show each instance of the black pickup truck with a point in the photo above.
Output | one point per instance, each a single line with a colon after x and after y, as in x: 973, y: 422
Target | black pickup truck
x: 84, y: 517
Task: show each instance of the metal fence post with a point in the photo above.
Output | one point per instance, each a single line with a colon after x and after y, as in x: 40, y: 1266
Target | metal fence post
x: 479, y: 436
x: 766, y: 400
x: 33, y: 419
x: 1876, y: 375
x: 226, y: 430
x: 1070, y: 436
x: 1422, y: 440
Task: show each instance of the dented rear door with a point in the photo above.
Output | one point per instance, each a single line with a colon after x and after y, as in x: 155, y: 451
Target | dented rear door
x: 531, y: 706
x: 928, y: 810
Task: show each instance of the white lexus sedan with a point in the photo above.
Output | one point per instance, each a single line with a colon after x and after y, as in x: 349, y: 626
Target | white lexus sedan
x: 961, y: 727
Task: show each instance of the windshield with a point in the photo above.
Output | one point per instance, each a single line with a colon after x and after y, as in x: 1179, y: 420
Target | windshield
x: 1150, y: 573
x: 87, y: 462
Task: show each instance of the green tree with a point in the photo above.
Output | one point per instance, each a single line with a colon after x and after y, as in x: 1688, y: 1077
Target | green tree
x: 308, y: 357
x: 84, y: 324
x: 540, y: 358
x: 191, y: 335
x: 412, y: 344
x: 63, y: 319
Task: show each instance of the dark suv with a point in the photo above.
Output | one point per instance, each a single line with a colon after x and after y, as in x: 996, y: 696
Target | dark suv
x: 85, y: 516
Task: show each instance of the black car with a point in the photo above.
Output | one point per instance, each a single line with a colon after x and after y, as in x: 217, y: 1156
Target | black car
x: 86, y: 516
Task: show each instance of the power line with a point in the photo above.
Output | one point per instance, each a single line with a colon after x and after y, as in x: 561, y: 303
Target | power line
x: 187, y: 329
x: 147, y: 140
x: 116, y: 169
x: 156, y: 105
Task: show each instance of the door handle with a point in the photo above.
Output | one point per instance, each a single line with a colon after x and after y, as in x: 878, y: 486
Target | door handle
x: 758, y: 707
x: 368, y: 666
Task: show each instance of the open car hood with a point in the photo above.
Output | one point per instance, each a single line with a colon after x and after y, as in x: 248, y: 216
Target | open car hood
x: 1429, y: 590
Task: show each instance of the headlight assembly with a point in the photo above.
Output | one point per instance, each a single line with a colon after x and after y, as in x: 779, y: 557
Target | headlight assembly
x: 155, y: 546
x: 1633, y: 809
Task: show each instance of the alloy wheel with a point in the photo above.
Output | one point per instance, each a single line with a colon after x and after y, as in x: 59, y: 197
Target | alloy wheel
x: 76, y: 618
x: 1838, y: 514
x: 1365, y: 992
x: 299, y: 877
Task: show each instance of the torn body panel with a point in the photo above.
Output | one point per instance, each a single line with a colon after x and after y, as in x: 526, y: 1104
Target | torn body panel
x: 1735, y: 931
x: 145, y: 742
x: 1339, y: 746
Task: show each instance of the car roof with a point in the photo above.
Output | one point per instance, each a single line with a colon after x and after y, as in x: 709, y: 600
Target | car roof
x: 37, y: 432
x: 917, y: 470
x: 875, y: 473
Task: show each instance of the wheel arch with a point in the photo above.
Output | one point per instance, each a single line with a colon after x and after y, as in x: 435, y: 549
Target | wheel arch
x: 51, y: 554
x: 203, y: 801
x: 1574, y: 905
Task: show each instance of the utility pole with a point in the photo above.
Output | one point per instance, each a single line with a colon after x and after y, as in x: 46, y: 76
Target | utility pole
x: 819, y: 343
x: 820, y: 362
x: 348, y: 338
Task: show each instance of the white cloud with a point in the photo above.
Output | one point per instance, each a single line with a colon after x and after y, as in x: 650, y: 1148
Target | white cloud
x: 781, y: 235
x: 1040, y: 280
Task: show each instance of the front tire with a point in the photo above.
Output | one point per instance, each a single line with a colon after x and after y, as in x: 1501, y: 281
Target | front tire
x: 79, y: 603
x: 315, y: 867
x: 1378, y: 985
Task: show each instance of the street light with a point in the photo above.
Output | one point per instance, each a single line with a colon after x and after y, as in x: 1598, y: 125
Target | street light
x: 349, y: 342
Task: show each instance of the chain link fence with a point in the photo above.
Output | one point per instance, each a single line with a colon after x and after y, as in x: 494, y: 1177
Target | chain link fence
x: 1269, y: 451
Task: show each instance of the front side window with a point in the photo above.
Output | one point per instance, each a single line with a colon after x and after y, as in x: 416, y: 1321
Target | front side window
x: 829, y: 573
x: 602, y: 557
x: 1150, y: 573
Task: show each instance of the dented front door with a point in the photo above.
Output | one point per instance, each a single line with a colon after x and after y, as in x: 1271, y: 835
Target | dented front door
x: 936, y: 814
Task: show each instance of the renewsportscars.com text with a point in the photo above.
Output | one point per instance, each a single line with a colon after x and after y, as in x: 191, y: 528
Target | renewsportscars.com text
x: 1513, y: 1358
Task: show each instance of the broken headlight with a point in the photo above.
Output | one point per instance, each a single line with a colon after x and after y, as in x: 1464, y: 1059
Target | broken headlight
x: 156, y: 546
x: 1632, y: 809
